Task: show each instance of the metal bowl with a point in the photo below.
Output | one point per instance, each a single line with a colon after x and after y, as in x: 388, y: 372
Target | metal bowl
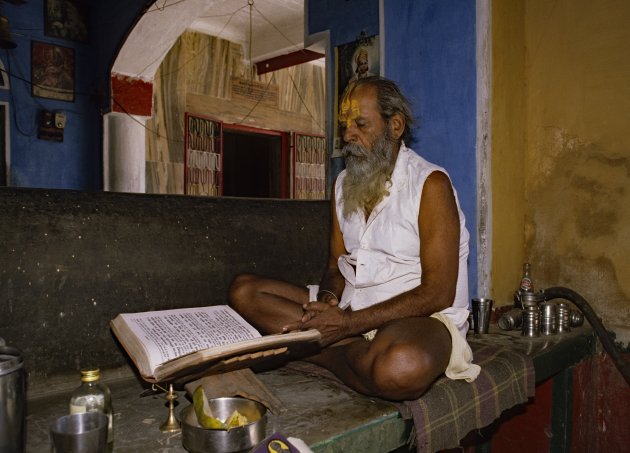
x: 200, y: 440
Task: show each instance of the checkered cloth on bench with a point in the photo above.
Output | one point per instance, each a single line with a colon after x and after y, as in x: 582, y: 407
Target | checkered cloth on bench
x: 451, y: 409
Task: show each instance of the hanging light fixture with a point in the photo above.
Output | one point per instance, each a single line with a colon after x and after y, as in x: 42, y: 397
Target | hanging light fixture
x: 251, y: 36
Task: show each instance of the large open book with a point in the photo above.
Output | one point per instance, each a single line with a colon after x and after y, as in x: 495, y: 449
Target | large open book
x: 188, y: 342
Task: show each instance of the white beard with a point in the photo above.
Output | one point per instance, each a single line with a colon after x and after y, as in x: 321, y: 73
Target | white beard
x: 368, y: 174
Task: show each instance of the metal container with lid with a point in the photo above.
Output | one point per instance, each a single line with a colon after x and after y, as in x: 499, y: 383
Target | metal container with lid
x: 531, y: 299
x: 12, y: 400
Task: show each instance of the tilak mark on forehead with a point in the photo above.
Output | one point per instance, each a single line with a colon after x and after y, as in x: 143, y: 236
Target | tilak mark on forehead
x: 349, y: 111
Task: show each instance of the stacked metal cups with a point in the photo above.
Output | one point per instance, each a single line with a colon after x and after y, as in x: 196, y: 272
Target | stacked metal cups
x: 530, y: 326
x: 564, y: 317
x: 538, y: 316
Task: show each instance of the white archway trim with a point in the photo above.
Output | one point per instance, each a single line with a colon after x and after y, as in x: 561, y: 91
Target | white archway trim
x: 124, y: 155
x: 153, y: 36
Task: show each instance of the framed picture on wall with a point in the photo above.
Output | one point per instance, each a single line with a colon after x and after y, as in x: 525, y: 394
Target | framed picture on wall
x: 66, y: 19
x: 355, y: 60
x: 4, y: 77
x: 52, y: 71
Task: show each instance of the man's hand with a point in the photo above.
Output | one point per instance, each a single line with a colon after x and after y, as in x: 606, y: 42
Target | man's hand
x: 328, y: 297
x: 331, y: 321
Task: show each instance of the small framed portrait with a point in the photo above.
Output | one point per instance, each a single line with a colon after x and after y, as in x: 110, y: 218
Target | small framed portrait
x: 4, y: 78
x: 355, y: 60
x: 52, y: 71
x: 66, y: 19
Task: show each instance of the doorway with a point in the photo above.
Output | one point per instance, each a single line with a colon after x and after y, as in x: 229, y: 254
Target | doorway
x: 254, y: 163
x: 292, y: 98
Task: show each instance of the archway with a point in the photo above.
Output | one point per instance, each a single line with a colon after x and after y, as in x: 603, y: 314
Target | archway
x: 150, y: 40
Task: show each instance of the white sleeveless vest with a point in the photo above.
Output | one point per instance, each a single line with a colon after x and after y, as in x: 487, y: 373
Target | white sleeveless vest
x: 384, y: 250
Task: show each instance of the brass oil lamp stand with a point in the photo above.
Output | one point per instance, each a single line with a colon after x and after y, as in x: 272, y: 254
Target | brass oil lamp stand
x: 171, y: 424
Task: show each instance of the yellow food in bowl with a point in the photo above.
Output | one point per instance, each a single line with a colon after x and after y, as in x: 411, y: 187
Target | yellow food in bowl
x: 206, y: 418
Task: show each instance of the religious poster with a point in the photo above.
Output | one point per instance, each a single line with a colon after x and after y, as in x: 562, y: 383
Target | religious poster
x: 354, y: 60
x: 66, y: 19
x: 52, y: 71
x: 4, y: 77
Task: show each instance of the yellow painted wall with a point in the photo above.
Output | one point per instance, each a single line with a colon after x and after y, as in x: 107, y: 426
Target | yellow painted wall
x: 576, y: 157
x: 507, y: 148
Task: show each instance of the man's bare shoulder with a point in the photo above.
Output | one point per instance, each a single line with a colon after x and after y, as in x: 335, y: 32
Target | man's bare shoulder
x: 438, y: 205
x: 438, y: 184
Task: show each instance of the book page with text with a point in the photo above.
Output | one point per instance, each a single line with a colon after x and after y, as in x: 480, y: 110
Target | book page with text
x: 169, y: 334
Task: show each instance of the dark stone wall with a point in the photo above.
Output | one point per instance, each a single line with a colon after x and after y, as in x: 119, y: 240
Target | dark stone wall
x: 71, y: 261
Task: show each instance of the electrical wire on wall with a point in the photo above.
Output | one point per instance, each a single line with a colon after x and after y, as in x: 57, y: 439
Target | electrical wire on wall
x: 175, y: 71
x: 288, y: 72
x: 160, y: 7
x: 10, y: 74
x: 187, y: 62
x: 252, y: 8
x: 13, y: 74
x: 14, y: 71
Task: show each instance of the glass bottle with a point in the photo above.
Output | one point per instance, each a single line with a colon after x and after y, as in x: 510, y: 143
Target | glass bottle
x: 94, y: 396
x: 527, y: 286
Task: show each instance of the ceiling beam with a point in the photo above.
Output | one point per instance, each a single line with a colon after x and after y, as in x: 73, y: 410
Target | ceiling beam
x: 287, y: 60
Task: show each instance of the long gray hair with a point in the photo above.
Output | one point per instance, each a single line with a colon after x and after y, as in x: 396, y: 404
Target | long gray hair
x: 390, y: 101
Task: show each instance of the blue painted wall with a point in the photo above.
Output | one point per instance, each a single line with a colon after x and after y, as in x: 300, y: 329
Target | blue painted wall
x: 436, y: 68
x: 76, y: 163
x: 429, y: 48
x: 345, y: 19
x: 429, y: 51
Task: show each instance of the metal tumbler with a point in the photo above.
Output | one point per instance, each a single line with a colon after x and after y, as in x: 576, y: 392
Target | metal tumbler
x: 12, y: 401
x: 481, y: 311
x: 564, y: 317
x: 531, y: 321
x: 548, y: 318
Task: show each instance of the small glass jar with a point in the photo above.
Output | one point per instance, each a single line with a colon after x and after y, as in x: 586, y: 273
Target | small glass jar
x: 94, y: 396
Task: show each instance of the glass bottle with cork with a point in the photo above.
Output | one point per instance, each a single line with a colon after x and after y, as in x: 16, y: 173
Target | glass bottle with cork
x: 526, y: 286
x: 94, y: 396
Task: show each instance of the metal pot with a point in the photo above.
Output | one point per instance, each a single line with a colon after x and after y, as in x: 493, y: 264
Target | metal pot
x: 12, y: 401
x: 200, y: 440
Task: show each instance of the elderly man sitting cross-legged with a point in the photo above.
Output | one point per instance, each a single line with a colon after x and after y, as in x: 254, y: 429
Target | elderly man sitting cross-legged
x: 392, y: 306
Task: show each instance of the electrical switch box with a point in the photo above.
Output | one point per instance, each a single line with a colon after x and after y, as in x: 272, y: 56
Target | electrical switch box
x: 60, y: 120
x: 51, y: 125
